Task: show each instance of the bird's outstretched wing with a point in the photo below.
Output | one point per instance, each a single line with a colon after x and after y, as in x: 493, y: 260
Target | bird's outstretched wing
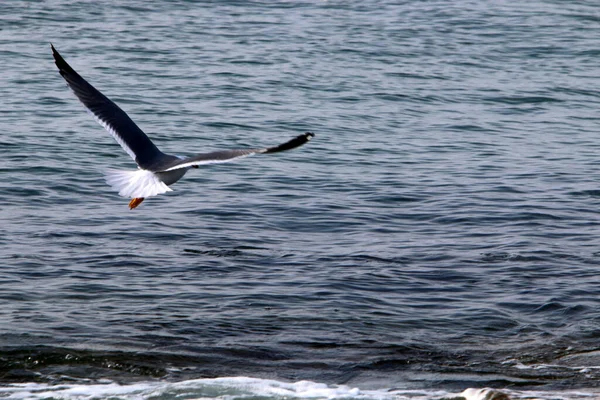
x: 230, y: 155
x: 110, y: 116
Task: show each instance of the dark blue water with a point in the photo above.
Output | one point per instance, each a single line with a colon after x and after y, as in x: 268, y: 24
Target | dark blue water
x: 441, y: 232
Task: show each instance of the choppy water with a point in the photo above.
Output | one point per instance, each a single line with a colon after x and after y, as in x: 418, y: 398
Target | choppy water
x: 440, y: 233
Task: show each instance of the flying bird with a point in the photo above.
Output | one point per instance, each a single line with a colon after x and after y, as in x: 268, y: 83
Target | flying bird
x: 156, y: 170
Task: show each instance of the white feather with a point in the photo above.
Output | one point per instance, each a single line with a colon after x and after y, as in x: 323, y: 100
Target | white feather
x: 139, y: 183
x: 114, y: 134
x: 207, y: 162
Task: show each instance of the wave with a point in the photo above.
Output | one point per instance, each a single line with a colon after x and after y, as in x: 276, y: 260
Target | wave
x: 246, y: 388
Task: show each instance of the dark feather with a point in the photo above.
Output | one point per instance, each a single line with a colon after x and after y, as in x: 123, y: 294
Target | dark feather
x: 126, y: 132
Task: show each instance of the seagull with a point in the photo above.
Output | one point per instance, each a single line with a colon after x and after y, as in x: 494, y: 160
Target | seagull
x: 156, y: 170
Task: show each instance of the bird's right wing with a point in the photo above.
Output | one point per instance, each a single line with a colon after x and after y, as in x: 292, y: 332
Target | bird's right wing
x: 224, y: 156
x: 110, y: 116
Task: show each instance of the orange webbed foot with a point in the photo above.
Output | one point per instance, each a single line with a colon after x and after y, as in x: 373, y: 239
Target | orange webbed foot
x: 135, y: 202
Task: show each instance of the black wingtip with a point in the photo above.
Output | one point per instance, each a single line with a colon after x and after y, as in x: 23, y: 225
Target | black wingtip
x: 55, y: 53
x: 63, y: 67
x: 57, y: 57
x: 292, y: 144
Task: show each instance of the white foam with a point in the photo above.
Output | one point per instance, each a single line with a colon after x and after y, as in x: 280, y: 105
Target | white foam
x: 240, y: 388
x: 34, y: 391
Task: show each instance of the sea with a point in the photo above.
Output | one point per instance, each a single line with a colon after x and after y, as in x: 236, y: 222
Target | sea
x: 438, y: 239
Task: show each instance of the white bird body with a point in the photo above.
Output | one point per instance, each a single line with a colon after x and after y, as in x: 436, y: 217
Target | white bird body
x: 142, y: 183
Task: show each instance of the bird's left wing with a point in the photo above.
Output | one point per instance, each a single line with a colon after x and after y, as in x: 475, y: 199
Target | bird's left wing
x: 110, y: 116
x: 231, y: 155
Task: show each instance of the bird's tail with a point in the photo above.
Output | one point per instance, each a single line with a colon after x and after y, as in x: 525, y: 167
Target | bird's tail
x: 134, y: 184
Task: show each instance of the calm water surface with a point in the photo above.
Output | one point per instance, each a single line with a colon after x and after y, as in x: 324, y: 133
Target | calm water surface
x: 441, y: 232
